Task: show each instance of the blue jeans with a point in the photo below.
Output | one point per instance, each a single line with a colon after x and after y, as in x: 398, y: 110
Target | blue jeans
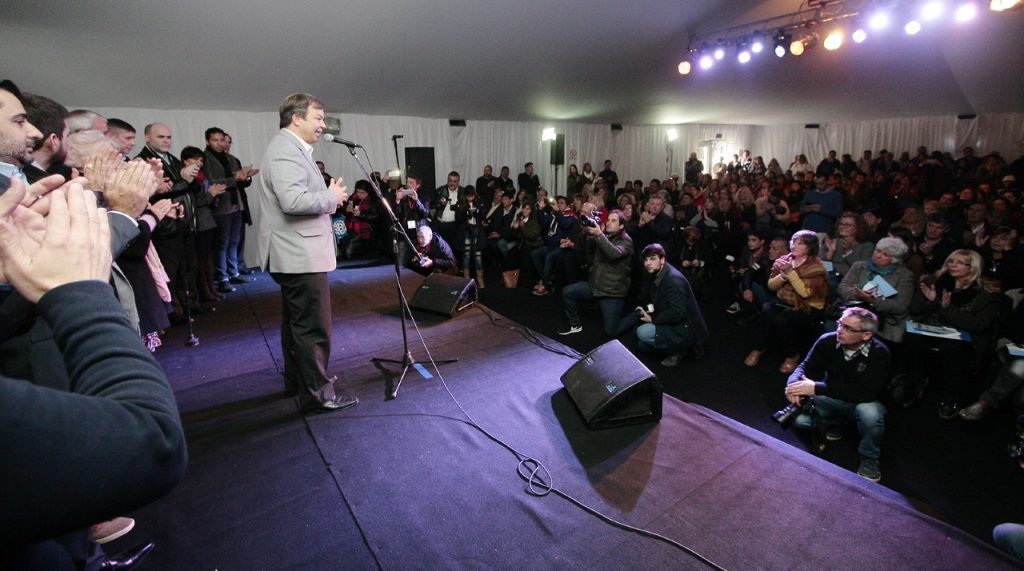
x: 230, y: 232
x: 645, y: 335
x: 870, y: 417
x: 1010, y: 538
x: 611, y: 307
x: 544, y: 260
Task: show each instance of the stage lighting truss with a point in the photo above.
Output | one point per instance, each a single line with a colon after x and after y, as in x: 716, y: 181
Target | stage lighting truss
x: 837, y: 23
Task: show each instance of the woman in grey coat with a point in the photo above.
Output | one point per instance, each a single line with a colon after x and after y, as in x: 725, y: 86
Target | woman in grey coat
x: 887, y: 263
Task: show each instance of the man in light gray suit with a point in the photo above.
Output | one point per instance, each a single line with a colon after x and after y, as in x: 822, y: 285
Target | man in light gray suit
x: 291, y: 210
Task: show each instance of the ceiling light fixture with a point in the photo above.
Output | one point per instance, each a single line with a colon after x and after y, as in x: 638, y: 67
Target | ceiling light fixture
x: 858, y: 36
x: 706, y: 62
x: 685, y: 67
x: 833, y: 41
x: 932, y: 10
x: 879, y: 21
x: 1000, y: 5
x: 912, y: 27
x: 966, y: 12
x: 672, y: 134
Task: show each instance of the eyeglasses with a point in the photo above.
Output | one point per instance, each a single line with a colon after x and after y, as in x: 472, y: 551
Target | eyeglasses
x: 842, y: 326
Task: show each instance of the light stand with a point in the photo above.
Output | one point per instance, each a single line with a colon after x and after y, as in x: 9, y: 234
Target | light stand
x: 407, y: 360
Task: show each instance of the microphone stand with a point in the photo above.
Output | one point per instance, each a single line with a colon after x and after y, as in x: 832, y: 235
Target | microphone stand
x: 407, y: 359
x: 394, y: 140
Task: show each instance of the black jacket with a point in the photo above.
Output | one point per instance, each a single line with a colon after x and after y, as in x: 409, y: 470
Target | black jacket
x: 859, y: 380
x: 676, y: 314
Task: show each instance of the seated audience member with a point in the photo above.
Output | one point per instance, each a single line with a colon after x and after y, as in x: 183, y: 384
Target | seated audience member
x: 935, y: 245
x: 1004, y: 266
x: 885, y: 263
x: 468, y: 216
x: 955, y: 299
x: 750, y: 275
x: 361, y: 215
x: 914, y: 260
x: 558, y: 226
x: 821, y: 206
x: 801, y: 285
x: 670, y: 320
x: 1009, y: 381
x: 844, y: 374
x: 851, y: 244
x: 527, y: 235
x: 135, y: 443
x: 433, y: 255
x: 694, y: 261
x: 610, y: 252
x: 499, y: 224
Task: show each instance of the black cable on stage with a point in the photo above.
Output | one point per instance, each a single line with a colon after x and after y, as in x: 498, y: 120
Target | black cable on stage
x: 530, y: 335
x: 538, y: 479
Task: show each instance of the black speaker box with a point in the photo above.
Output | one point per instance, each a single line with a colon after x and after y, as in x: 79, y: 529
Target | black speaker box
x: 611, y: 387
x: 558, y: 150
x: 444, y: 294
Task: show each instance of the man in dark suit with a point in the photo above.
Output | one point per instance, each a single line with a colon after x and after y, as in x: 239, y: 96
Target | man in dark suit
x: 294, y: 241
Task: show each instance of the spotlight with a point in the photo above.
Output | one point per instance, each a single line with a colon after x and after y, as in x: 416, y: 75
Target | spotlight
x: 932, y: 10
x: 780, y: 41
x: 706, y: 62
x: 879, y: 21
x: 796, y: 47
x: 912, y: 27
x: 685, y: 67
x: 834, y: 40
x: 859, y: 36
x: 966, y: 12
x: 757, y: 46
x: 548, y: 134
x: 672, y: 134
x: 719, y: 54
x: 1000, y: 5
x: 743, y: 56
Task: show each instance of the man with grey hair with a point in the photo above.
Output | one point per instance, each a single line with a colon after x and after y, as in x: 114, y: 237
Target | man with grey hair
x: 844, y: 374
x: 294, y: 242
x: 85, y: 120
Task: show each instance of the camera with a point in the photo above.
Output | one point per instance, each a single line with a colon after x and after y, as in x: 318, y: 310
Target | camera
x: 787, y: 415
x: 588, y: 222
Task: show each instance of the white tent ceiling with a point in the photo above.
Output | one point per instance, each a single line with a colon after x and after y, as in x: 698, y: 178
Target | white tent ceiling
x: 525, y: 60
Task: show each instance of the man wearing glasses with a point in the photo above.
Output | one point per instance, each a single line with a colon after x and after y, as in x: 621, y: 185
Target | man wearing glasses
x: 845, y: 373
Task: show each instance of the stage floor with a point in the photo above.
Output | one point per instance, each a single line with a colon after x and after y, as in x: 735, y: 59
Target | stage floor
x: 411, y: 483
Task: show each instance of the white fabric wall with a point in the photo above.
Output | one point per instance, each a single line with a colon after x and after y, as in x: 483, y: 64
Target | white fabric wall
x: 637, y: 152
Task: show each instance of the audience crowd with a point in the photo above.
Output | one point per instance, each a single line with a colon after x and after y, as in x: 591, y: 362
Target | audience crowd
x: 911, y: 264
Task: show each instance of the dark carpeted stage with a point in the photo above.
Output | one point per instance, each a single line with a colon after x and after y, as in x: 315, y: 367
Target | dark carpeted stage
x: 409, y: 483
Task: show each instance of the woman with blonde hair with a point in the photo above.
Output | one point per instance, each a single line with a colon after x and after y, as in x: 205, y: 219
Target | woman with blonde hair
x: 953, y: 297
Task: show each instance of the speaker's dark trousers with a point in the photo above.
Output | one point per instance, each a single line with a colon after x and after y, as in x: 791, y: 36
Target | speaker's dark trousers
x: 306, y: 335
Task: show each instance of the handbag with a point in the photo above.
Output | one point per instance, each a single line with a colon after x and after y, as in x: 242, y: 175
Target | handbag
x: 510, y: 278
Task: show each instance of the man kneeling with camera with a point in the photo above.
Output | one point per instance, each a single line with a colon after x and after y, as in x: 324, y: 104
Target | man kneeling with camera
x: 844, y: 374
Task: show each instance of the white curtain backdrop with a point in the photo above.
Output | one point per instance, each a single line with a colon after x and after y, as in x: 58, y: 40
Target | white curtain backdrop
x: 637, y: 152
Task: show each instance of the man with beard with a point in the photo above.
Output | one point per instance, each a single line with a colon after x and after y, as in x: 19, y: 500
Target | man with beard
x: 48, y: 153
x: 17, y: 135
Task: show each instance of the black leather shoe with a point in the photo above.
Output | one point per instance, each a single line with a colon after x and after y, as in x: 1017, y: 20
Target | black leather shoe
x: 128, y: 558
x: 224, y: 287
x: 244, y: 272
x: 340, y: 402
x: 239, y: 280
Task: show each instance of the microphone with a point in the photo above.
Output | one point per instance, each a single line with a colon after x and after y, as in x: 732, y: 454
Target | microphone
x: 332, y: 139
x: 396, y: 137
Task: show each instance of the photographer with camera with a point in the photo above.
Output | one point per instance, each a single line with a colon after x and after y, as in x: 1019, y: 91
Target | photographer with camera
x: 671, y: 320
x: 845, y: 373
x: 610, y: 252
x: 412, y: 213
x: 750, y: 274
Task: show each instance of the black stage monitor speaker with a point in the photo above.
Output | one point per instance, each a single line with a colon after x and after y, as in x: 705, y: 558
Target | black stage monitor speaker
x: 444, y: 294
x: 612, y: 388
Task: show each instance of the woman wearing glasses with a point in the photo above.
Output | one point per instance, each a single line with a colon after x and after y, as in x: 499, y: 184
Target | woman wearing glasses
x: 953, y: 298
